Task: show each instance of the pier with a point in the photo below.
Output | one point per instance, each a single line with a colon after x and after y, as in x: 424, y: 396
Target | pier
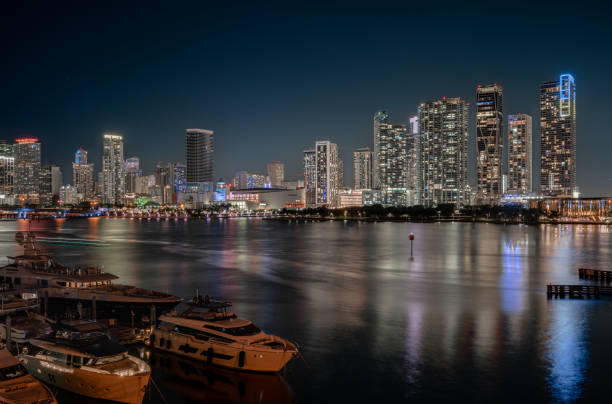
x: 595, y: 275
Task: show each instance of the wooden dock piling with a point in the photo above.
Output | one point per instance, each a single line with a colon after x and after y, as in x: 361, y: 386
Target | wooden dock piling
x: 577, y: 291
x: 595, y: 275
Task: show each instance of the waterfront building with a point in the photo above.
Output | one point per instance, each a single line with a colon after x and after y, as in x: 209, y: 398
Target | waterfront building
x: 200, y: 155
x: 381, y: 119
x: 82, y: 175
x: 412, y: 160
x: 27, y: 169
x: 392, y: 164
x: 362, y: 168
x: 443, y: 177
x: 276, y: 172
x: 519, y: 154
x: 272, y: 198
x: 7, y: 170
x: 489, y: 143
x: 113, y: 175
x: 326, y: 173
x: 558, y: 137
x: 221, y: 191
x: 310, y: 176
x: 132, y: 175
x: 350, y: 198
x: 180, y: 179
x: 68, y: 195
x: 51, y: 178
x: 164, y: 179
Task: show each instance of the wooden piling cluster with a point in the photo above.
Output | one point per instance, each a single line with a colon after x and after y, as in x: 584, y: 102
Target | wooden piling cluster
x: 578, y: 291
x: 595, y: 275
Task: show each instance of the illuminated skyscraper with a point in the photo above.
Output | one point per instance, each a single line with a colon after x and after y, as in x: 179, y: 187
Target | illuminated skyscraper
x: 381, y: 118
x: 443, y: 175
x: 276, y: 172
x: 362, y: 167
x: 392, y: 163
x: 7, y: 169
x: 82, y: 175
x: 132, y: 175
x: 310, y: 176
x: 519, y: 154
x: 558, y: 137
x: 412, y: 160
x: 51, y: 178
x: 200, y: 155
x: 113, y: 175
x: 27, y: 169
x: 489, y: 142
x: 180, y: 180
x: 326, y: 173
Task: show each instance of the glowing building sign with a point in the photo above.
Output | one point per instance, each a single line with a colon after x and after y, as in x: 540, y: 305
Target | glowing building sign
x: 566, y: 94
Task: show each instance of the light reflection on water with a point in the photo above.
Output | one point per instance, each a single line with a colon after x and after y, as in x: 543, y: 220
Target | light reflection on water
x: 466, y: 317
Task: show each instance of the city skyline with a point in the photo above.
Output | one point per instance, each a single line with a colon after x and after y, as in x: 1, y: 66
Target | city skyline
x: 241, y: 112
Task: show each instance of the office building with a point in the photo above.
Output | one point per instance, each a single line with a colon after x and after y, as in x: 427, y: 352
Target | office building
x: 310, y: 176
x: 276, y: 172
x: 519, y: 154
x: 83, y: 175
x: 443, y: 175
x: 7, y: 169
x: 200, y: 155
x: 412, y: 159
x: 381, y: 119
x: 362, y: 168
x: 113, y: 175
x: 51, y: 178
x: 558, y: 137
x: 326, y: 182
x: 27, y: 169
x: 489, y: 143
x: 392, y: 164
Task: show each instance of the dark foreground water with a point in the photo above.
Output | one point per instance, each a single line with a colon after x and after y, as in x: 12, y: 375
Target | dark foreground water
x: 466, y: 319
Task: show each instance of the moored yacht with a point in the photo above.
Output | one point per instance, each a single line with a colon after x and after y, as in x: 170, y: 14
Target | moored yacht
x: 64, y: 287
x: 209, y: 331
x: 17, y: 386
x: 79, y: 357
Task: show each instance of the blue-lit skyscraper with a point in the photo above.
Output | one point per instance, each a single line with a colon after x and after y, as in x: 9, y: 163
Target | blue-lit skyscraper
x: 558, y: 137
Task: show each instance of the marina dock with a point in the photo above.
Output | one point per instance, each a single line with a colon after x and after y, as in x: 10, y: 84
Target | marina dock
x: 577, y: 291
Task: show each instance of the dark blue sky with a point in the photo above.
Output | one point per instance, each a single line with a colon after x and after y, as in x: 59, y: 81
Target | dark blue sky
x: 271, y: 78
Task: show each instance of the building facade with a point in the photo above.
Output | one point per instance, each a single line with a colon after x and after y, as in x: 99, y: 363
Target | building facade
x: 200, y: 148
x: 27, y: 169
x: 443, y: 171
x: 362, y: 168
x: 310, y: 176
x: 276, y: 172
x: 412, y: 159
x: 83, y: 175
x: 489, y: 143
x: 113, y: 175
x: 392, y: 164
x: 558, y: 137
x: 519, y: 179
x: 381, y: 119
x: 7, y: 170
x: 326, y: 173
x: 51, y: 178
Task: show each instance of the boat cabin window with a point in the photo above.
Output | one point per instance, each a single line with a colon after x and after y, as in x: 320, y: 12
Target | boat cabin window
x: 56, y: 357
x: 12, y: 372
x: 237, y: 331
x: 201, y: 335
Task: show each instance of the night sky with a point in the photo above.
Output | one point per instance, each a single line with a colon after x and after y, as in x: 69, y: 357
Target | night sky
x: 271, y: 78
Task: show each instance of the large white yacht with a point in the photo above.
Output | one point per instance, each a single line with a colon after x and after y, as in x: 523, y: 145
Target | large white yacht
x: 17, y: 386
x: 79, y: 357
x: 63, y: 287
x: 209, y: 331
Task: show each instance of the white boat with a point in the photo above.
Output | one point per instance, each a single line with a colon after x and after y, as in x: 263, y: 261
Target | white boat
x: 64, y: 287
x: 79, y: 357
x: 17, y: 386
x: 25, y: 326
x: 209, y: 331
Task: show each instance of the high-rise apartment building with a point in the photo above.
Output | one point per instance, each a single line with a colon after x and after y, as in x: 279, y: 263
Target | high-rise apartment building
x: 558, y: 137
x: 310, y: 176
x: 132, y: 175
x: 27, y: 168
x: 412, y: 156
x: 200, y: 155
x: 362, y: 168
x: 443, y: 175
x: 392, y: 164
x: 326, y: 173
x: 83, y: 175
x: 7, y: 169
x: 51, y: 178
x: 381, y: 118
x: 489, y: 143
x: 113, y: 175
x: 276, y: 172
x: 519, y: 154
x: 180, y: 180
x: 164, y: 178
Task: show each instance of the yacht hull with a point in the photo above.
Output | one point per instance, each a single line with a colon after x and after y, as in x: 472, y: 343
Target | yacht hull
x: 230, y: 355
x: 123, y: 389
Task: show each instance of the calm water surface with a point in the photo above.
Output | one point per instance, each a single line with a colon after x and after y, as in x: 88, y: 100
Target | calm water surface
x: 466, y: 318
